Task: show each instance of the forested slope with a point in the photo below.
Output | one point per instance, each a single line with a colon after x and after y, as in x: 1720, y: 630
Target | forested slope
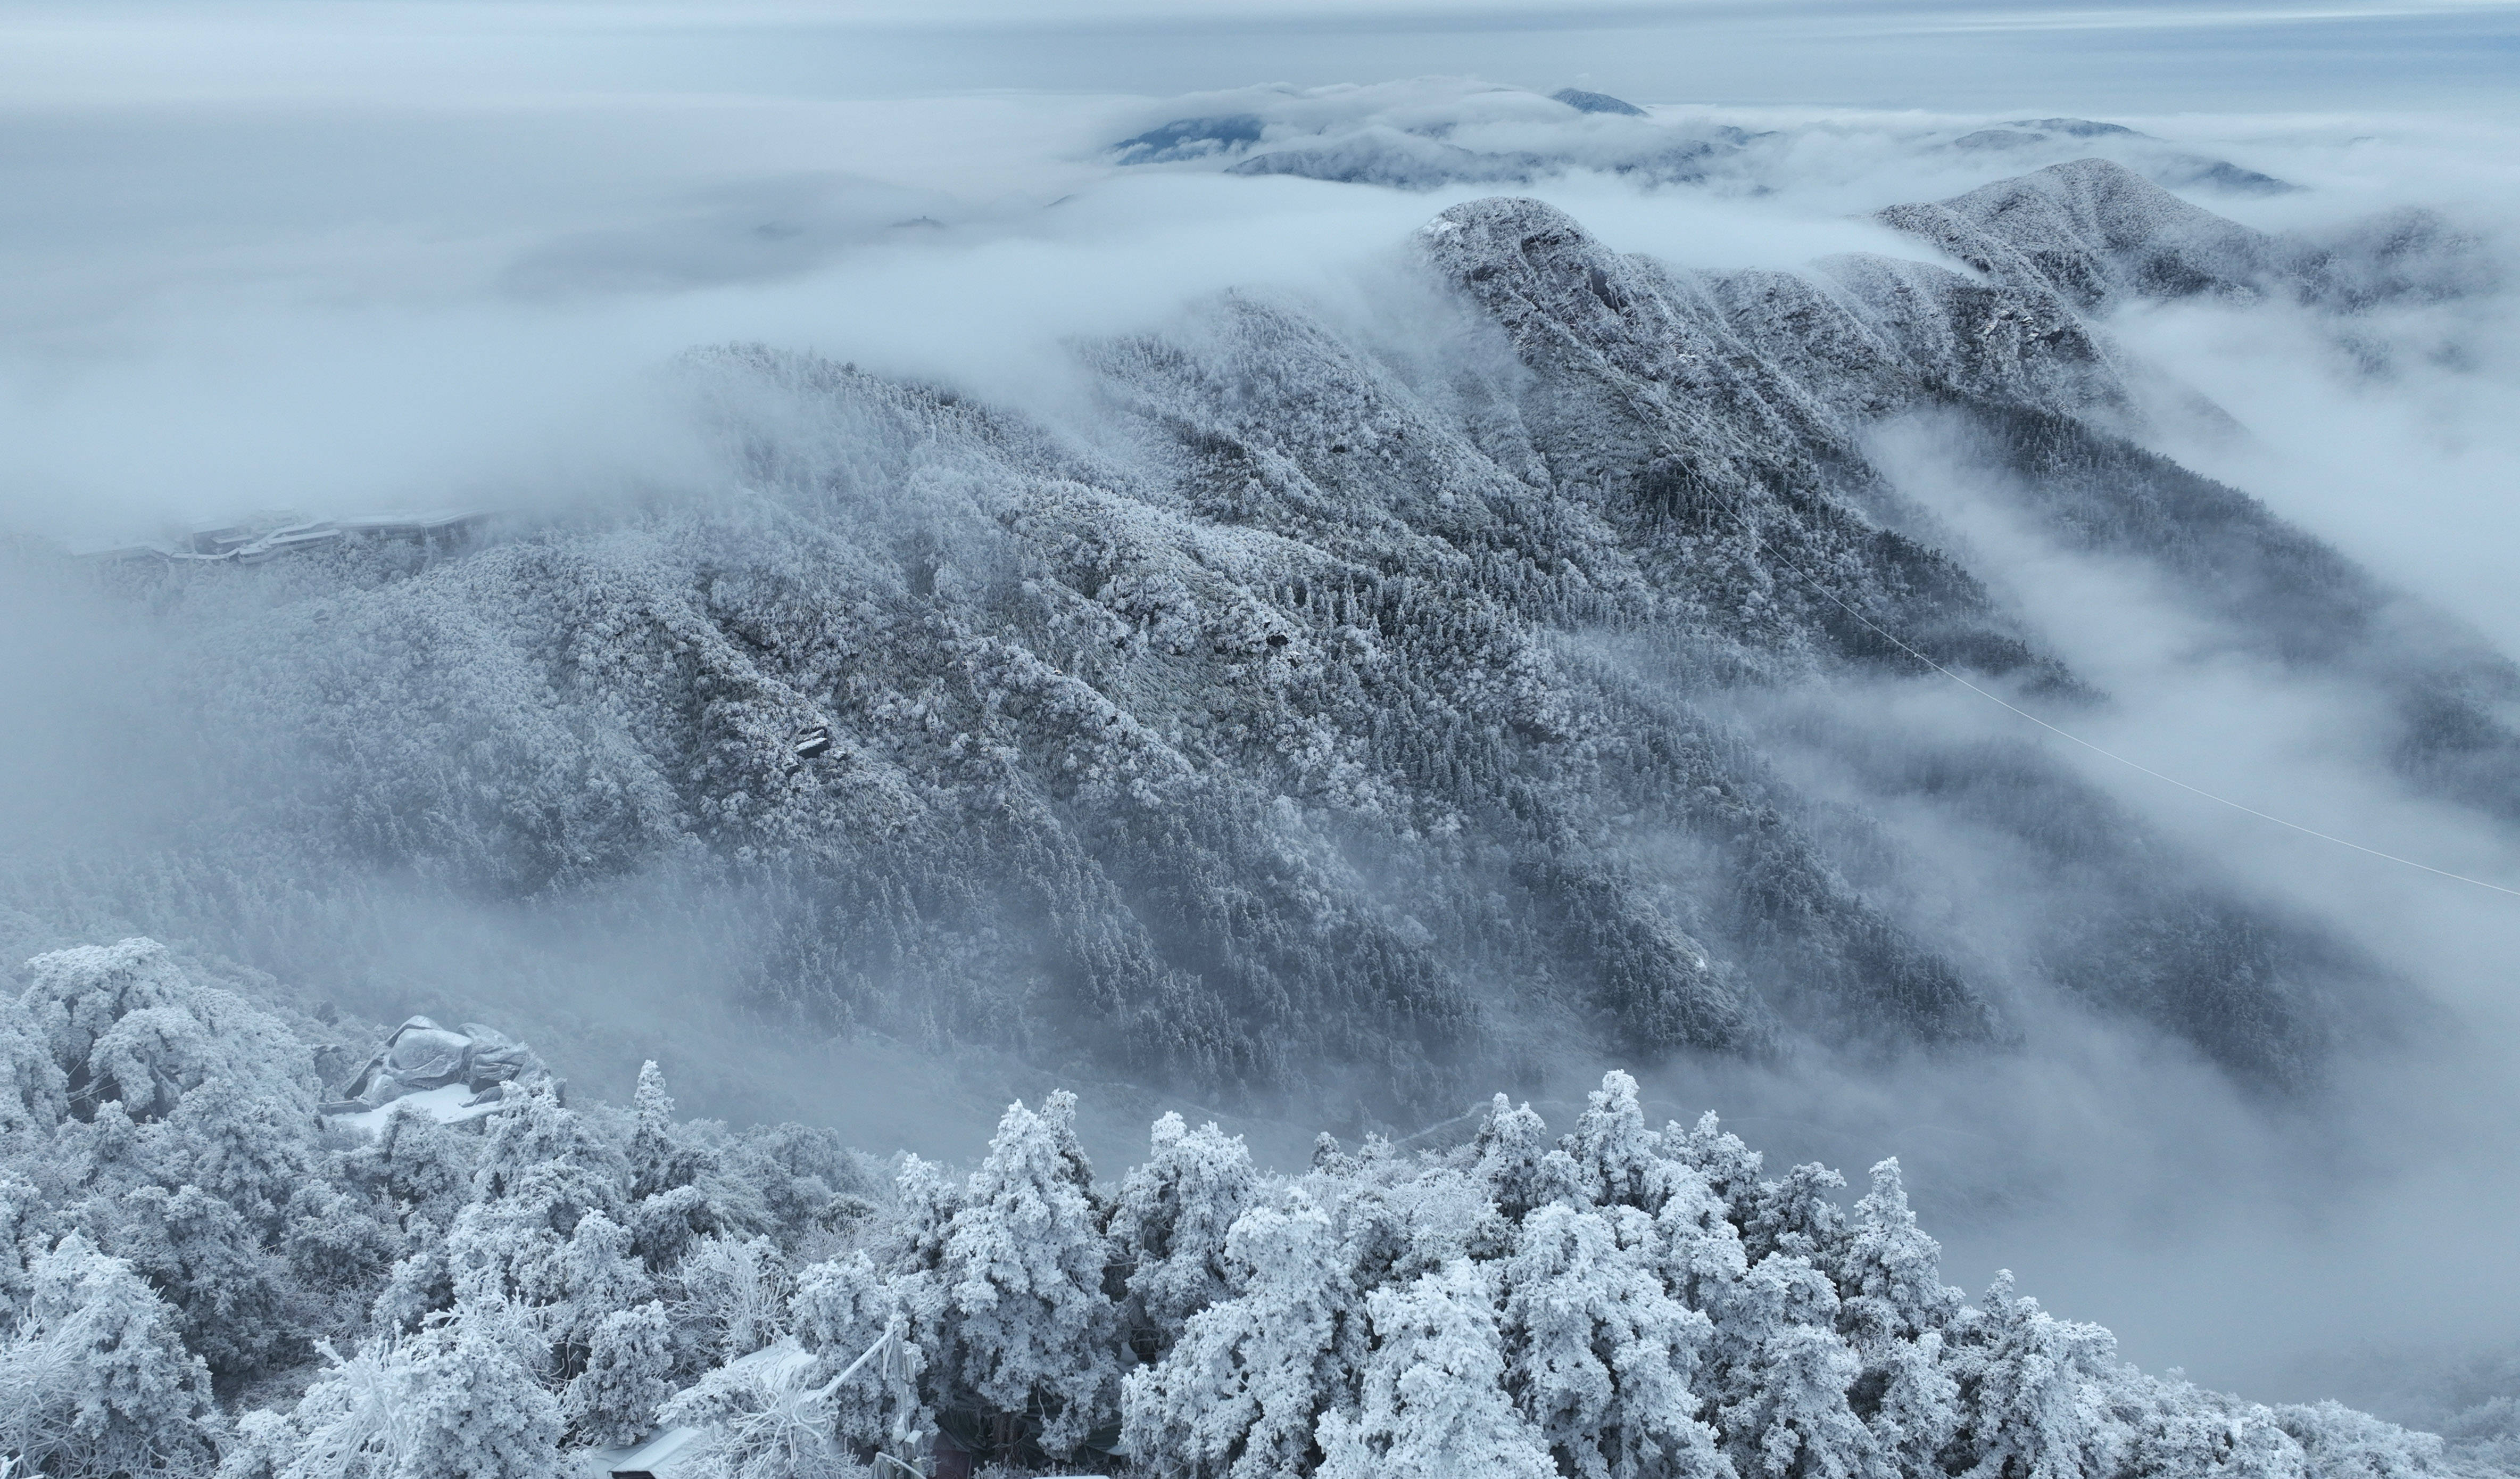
x: 1327, y: 708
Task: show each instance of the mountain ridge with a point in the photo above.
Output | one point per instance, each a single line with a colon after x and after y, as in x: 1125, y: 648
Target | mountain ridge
x: 1325, y: 721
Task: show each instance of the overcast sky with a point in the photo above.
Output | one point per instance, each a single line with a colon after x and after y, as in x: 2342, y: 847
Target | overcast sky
x: 2084, y: 55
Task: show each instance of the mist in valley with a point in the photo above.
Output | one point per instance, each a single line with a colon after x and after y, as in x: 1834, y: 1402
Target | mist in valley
x: 1300, y: 659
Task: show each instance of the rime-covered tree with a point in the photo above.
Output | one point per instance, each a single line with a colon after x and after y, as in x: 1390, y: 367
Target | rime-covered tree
x: 661, y: 1158
x: 765, y: 1419
x: 95, y: 1382
x: 1730, y: 1167
x: 1780, y: 1377
x: 34, y: 1091
x: 546, y: 1158
x: 843, y: 1308
x: 414, y: 1167
x: 1432, y: 1404
x: 1892, y: 1308
x: 627, y: 1373
x: 1170, y: 1224
x: 2032, y: 1389
x: 1889, y: 1278
x: 1797, y: 1214
x: 236, y: 1305
x: 598, y: 1277
x: 669, y: 1209
x: 1617, y: 1305
x: 1513, y: 1157
x: 1618, y: 1160
x: 1243, y: 1392
x: 732, y: 1295
x: 1017, y: 1303
x: 459, y: 1399
x: 541, y: 1173
x: 1599, y: 1356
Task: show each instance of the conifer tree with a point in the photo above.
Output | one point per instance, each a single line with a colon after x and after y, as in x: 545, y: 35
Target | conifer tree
x: 1432, y: 1404
x: 627, y: 1374
x: 478, y: 1411
x: 1170, y: 1224
x: 1617, y: 1158
x: 1241, y: 1395
x: 1797, y: 1214
x: 1889, y: 1278
x: 1892, y: 1308
x: 1512, y: 1157
x: 2032, y: 1389
x: 660, y: 1161
x: 1600, y: 1357
x: 1019, y: 1303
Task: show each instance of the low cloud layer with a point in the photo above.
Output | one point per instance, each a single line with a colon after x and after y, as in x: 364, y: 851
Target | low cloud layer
x: 232, y: 289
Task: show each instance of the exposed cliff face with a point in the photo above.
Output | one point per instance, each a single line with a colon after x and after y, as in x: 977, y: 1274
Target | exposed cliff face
x: 1323, y: 716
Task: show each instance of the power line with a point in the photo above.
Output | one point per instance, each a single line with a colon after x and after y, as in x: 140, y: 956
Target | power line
x: 1999, y: 702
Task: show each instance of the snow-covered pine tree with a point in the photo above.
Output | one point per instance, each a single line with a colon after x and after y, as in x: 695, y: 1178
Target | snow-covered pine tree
x: 1779, y: 1374
x: 543, y: 1155
x: 415, y: 1167
x: 1169, y: 1229
x: 34, y: 1091
x: 599, y: 1277
x: 1513, y: 1157
x: 1242, y: 1391
x: 1600, y: 1357
x: 541, y: 1172
x: 1889, y: 1277
x: 1892, y: 1308
x: 669, y: 1209
x: 236, y: 1303
x: 659, y: 1159
x: 1432, y: 1404
x: 2031, y: 1389
x: 1798, y: 1214
x: 477, y: 1412
x: 1730, y: 1167
x: 1018, y: 1309
x: 627, y: 1373
x: 1618, y: 1160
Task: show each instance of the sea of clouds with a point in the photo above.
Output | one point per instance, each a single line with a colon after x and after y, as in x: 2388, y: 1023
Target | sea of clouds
x: 342, y: 259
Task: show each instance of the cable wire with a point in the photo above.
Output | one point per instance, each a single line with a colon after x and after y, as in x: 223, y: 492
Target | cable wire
x: 1999, y: 702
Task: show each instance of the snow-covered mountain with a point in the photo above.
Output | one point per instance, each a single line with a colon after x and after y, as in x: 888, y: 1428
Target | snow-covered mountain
x: 1324, y: 707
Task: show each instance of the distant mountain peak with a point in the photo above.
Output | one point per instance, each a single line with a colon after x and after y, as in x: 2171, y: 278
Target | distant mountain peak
x: 1189, y: 139
x: 1595, y: 103
x: 2079, y: 128
x: 2097, y: 232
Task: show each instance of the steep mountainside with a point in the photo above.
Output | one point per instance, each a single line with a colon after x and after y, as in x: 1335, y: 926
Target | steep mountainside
x: 1329, y: 712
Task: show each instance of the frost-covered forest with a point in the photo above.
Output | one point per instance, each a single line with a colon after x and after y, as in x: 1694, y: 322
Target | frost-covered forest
x: 200, y: 1278
x: 1330, y: 706
x: 1318, y: 709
